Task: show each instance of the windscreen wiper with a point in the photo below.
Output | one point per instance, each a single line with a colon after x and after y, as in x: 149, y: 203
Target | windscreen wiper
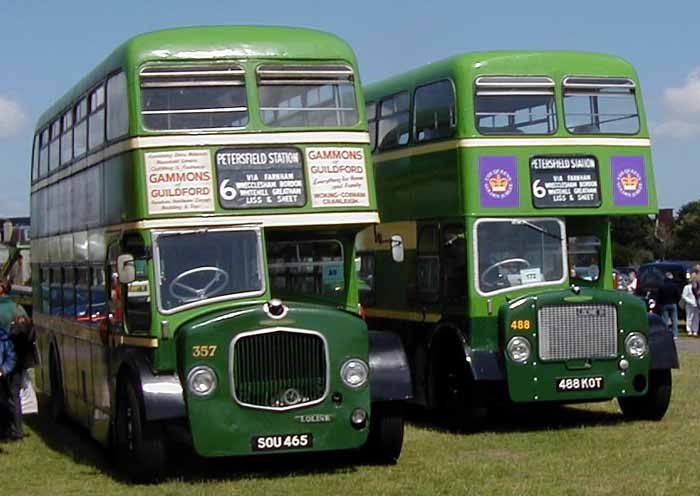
x: 523, y: 222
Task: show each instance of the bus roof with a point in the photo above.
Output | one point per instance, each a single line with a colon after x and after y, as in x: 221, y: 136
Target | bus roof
x: 199, y: 43
x: 466, y: 67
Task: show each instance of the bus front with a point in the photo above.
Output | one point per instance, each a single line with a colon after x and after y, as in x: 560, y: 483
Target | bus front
x: 255, y: 177
x: 555, y: 150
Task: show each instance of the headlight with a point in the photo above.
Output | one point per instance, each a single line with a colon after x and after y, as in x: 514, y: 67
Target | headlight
x: 354, y: 373
x: 636, y: 345
x: 201, y: 381
x: 519, y: 349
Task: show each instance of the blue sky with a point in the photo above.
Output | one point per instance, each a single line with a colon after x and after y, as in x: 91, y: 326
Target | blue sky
x: 46, y: 46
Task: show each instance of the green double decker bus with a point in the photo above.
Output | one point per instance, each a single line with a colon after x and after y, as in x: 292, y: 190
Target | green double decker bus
x: 195, y: 202
x: 497, y: 174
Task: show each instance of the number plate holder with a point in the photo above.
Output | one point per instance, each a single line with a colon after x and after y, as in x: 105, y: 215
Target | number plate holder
x: 590, y: 383
x: 277, y: 442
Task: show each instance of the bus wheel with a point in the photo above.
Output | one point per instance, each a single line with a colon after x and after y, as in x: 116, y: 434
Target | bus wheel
x: 57, y: 400
x: 653, y: 405
x: 139, y: 445
x: 459, y: 402
x: 385, y: 434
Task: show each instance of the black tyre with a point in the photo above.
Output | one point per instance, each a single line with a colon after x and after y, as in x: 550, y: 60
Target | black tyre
x: 652, y: 405
x: 57, y: 402
x: 139, y: 445
x: 459, y: 403
x: 385, y: 434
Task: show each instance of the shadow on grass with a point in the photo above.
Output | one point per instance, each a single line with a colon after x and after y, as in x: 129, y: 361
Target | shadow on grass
x: 522, y: 418
x: 70, y: 439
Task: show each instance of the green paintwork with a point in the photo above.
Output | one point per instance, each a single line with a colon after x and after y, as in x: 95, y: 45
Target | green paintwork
x: 438, y: 184
x: 535, y: 379
x: 220, y: 427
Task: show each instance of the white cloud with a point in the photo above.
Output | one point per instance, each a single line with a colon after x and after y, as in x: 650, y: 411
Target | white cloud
x: 676, y: 128
x: 686, y: 99
x: 12, y: 117
x: 682, y: 108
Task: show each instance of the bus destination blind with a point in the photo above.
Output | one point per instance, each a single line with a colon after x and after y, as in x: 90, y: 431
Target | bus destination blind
x: 558, y: 182
x: 260, y: 177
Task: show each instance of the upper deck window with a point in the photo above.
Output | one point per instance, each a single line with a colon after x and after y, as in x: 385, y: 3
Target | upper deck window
x: 372, y: 124
x: 596, y: 105
x: 193, y: 97
x: 393, y: 121
x: 307, y: 95
x: 515, y: 105
x: 434, y: 111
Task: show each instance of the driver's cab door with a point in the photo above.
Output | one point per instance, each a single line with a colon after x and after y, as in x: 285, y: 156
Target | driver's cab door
x: 129, y: 302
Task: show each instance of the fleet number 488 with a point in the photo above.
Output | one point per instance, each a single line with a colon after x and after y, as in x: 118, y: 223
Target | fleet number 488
x: 521, y: 325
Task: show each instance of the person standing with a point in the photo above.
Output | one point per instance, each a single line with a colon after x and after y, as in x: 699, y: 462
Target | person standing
x: 7, y: 366
x: 668, y: 298
x: 691, y: 294
x: 632, y: 286
x: 9, y: 313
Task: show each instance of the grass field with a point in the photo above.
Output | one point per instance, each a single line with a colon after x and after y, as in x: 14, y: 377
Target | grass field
x: 586, y: 449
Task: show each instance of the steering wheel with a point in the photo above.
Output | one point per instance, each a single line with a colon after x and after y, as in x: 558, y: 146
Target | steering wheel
x: 493, y: 267
x: 184, y: 292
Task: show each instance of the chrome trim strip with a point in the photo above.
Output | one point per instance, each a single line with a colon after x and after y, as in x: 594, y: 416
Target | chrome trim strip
x: 172, y: 140
x: 272, y: 330
x: 275, y: 220
x: 509, y: 142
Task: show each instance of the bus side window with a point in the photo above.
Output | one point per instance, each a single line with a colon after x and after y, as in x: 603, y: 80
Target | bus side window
x: 454, y: 263
x: 82, y: 294
x: 393, y: 121
x: 428, y: 265
x: 434, y: 111
x: 372, y: 124
x: 45, y: 290
x: 98, y: 298
x: 56, y: 305
x: 68, y: 293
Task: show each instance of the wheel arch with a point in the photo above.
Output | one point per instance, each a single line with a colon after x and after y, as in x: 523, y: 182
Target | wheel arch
x: 661, y: 345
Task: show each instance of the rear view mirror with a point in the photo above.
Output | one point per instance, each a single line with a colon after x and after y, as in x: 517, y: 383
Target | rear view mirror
x: 397, y: 252
x: 126, y: 268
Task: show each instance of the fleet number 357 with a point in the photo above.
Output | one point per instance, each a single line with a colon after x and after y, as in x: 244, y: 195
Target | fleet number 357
x: 204, y: 351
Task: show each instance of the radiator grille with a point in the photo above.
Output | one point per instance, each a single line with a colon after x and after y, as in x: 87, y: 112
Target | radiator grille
x: 279, y: 370
x: 570, y: 332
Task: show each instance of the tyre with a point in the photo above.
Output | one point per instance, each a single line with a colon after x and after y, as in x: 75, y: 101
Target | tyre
x: 57, y: 401
x: 385, y: 434
x: 460, y: 405
x: 653, y: 404
x: 139, y: 445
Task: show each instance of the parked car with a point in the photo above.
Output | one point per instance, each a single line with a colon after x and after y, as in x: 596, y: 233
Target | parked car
x: 651, y: 277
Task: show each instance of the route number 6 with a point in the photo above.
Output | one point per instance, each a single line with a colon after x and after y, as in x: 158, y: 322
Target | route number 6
x: 538, y: 190
x: 227, y: 192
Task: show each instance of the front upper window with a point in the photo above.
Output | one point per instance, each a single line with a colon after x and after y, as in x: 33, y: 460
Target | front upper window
x: 199, y: 266
x: 193, y: 97
x: 307, y: 95
x: 515, y: 253
x: 515, y: 105
x: 597, y: 105
x: 312, y: 269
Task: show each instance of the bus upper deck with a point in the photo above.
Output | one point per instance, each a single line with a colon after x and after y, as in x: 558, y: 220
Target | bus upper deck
x: 513, y: 132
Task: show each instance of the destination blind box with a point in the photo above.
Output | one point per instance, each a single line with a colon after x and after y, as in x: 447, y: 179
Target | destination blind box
x: 562, y: 182
x: 260, y: 177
